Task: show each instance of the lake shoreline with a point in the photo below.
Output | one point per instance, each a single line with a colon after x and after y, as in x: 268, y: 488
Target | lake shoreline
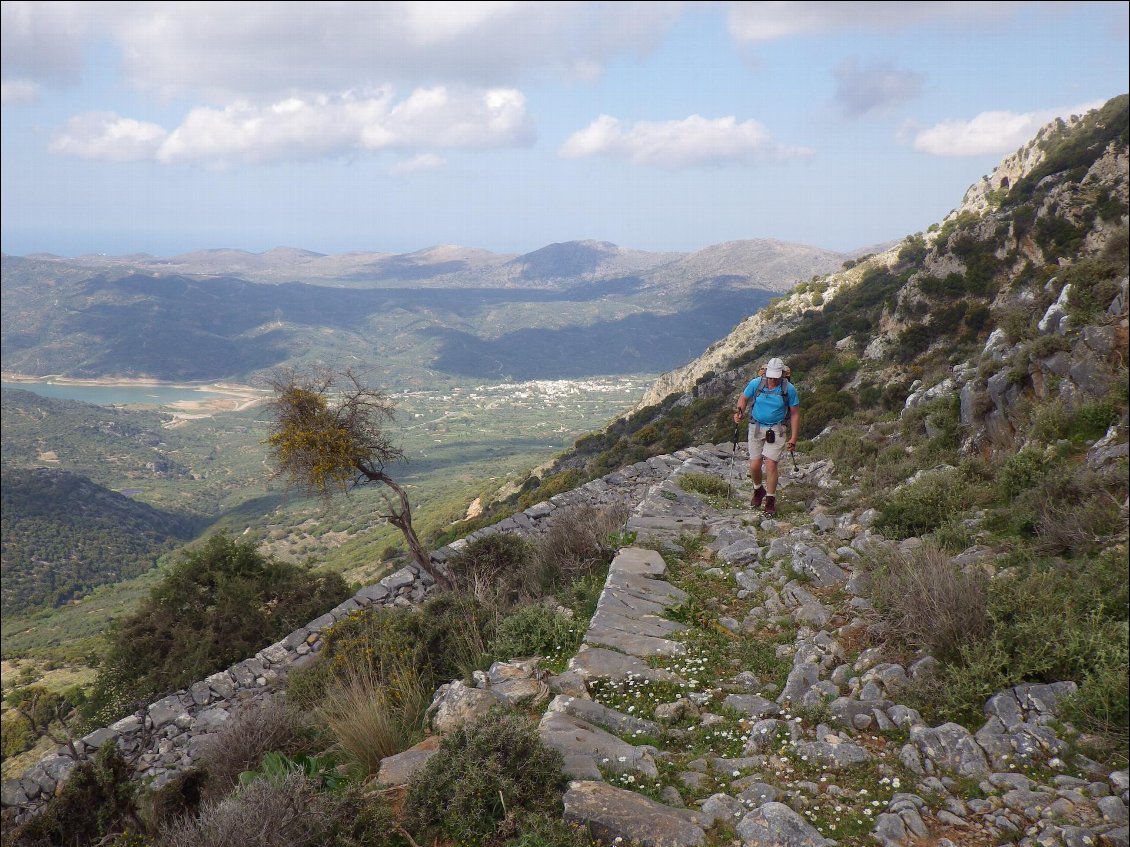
x: 237, y: 397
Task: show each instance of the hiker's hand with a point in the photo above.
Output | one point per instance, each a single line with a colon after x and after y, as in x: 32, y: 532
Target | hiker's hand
x: 792, y: 445
x: 738, y: 416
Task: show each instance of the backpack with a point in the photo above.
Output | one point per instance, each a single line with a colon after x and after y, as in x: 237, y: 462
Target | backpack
x: 787, y: 372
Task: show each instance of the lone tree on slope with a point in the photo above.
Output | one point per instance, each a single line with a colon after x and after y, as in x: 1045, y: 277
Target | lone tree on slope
x: 328, y: 435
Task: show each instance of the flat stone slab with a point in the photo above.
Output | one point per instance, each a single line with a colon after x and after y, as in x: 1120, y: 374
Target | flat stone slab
x: 601, y: 715
x: 752, y: 705
x: 636, y: 645
x: 655, y: 590
x: 576, y: 740
x: 601, y: 663
x: 399, y: 769
x: 635, y: 623
x: 611, y: 813
x: 647, y: 526
x: 639, y: 561
x: 615, y: 600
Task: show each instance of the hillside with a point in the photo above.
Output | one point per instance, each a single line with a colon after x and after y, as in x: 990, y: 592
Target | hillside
x: 1011, y: 304
x: 65, y: 535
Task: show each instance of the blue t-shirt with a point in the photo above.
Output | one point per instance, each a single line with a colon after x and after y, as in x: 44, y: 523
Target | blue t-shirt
x: 769, y: 408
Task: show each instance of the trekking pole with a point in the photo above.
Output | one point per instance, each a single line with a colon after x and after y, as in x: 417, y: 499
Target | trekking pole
x: 733, y: 455
x: 792, y: 452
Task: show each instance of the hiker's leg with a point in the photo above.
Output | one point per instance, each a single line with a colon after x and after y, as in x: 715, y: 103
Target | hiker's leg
x: 770, y: 477
x: 755, y: 470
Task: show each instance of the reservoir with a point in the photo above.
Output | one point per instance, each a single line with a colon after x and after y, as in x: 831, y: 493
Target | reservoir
x: 116, y: 395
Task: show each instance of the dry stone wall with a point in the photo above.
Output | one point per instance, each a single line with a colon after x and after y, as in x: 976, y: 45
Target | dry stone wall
x: 167, y: 736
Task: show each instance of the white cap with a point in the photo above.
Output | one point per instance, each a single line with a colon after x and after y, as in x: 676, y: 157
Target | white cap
x: 775, y: 368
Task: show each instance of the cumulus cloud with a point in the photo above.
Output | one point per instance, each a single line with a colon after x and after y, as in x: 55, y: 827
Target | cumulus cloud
x: 875, y: 87
x: 15, y: 92
x: 678, y: 144
x: 417, y: 164
x: 770, y: 21
x: 255, y: 50
x: 304, y: 129
x: 108, y: 137
x: 989, y: 132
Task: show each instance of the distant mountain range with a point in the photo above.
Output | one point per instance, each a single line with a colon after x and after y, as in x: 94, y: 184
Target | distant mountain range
x: 566, y: 310
x: 764, y: 263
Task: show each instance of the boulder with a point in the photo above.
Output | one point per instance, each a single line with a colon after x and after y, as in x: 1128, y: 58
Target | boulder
x: 776, y: 825
x: 456, y: 703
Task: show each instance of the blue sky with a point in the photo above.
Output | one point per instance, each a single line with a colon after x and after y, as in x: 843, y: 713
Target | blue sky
x: 171, y: 127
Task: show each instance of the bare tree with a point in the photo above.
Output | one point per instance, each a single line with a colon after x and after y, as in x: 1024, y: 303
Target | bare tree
x: 328, y: 436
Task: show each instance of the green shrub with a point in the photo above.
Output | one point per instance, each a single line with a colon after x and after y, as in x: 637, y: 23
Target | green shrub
x: 97, y: 801
x: 1047, y: 623
x: 557, y: 483
x: 704, y: 483
x: 219, y: 604
x: 290, y: 812
x: 929, y: 602
x: 548, y: 831
x: 1020, y: 471
x: 536, y: 630
x: 499, y: 568
x: 922, y: 506
x: 444, y: 639
x: 485, y: 771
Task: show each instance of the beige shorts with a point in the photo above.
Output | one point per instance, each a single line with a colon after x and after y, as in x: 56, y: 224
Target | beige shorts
x: 759, y: 447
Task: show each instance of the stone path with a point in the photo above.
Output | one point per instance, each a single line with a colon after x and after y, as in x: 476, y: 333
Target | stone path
x: 822, y: 755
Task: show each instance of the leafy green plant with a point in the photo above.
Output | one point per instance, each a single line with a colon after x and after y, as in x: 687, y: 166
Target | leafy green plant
x: 276, y: 767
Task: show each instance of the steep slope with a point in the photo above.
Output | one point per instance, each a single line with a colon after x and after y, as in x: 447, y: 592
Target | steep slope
x: 1014, y: 307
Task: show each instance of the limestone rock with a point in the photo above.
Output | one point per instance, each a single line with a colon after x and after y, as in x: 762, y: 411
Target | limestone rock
x: 456, y: 703
x: 611, y: 813
x: 399, y: 769
x: 776, y: 825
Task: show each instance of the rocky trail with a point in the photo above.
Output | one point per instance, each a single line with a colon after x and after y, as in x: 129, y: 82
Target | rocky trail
x: 723, y: 696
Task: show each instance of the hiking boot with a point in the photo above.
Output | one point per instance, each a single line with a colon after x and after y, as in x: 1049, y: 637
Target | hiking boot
x: 758, y: 496
x: 771, y: 506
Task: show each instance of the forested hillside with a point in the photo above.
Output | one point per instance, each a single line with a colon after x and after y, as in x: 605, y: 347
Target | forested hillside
x: 64, y: 535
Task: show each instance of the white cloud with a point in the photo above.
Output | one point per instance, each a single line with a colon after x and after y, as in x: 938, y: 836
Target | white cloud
x: 304, y: 129
x: 14, y: 92
x: 43, y: 42
x: 677, y: 144
x: 253, y: 50
x: 770, y: 21
x: 989, y: 132
x: 418, y: 164
x: 874, y: 87
x: 108, y: 137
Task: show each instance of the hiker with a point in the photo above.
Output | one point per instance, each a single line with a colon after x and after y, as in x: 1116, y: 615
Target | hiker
x: 771, y: 398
